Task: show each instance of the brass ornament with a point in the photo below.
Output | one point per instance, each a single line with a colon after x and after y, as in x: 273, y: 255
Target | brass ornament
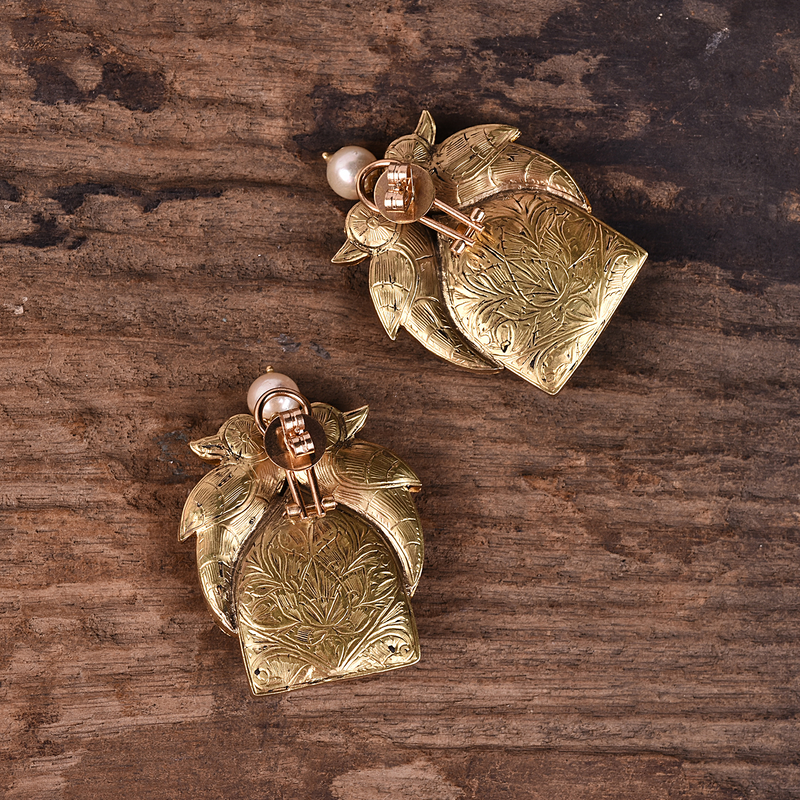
x: 309, y: 546
x: 517, y: 275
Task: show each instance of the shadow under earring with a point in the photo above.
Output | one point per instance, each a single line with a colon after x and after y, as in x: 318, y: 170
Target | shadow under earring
x: 485, y: 251
x: 309, y: 546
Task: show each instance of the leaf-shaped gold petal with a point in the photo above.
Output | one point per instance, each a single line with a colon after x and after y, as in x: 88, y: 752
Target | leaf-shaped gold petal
x: 223, y: 509
x: 373, y: 481
x: 354, y: 420
x: 520, y: 167
x: 218, y: 496
x: 426, y: 127
x: 460, y: 164
x: 368, y: 465
x: 393, y: 284
x: 406, y: 290
x: 350, y: 253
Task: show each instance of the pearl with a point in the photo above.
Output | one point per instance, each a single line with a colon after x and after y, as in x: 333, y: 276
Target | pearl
x: 261, y: 385
x: 343, y: 168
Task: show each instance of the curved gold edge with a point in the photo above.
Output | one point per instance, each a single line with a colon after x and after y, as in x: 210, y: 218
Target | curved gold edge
x: 490, y: 368
x: 406, y: 290
x: 221, y: 622
x: 530, y: 186
x: 503, y: 165
x: 444, y: 258
x: 426, y: 127
x: 275, y: 514
x: 349, y: 253
x: 381, y: 511
x: 410, y: 581
x: 224, y: 505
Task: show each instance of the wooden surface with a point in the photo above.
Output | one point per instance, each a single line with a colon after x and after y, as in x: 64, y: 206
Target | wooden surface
x: 609, y: 606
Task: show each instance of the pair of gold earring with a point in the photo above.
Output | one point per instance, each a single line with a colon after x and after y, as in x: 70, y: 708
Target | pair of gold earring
x: 309, y: 546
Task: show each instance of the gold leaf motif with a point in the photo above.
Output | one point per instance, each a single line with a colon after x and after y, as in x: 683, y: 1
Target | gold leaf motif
x: 225, y: 506
x: 536, y: 289
x: 406, y: 290
x: 520, y: 167
x: 310, y: 600
x: 461, y: 163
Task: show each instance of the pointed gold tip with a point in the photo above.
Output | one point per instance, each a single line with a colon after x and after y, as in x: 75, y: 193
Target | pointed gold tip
x: 354, y: 420
x: 326, y: 156
x: 269, y: 369
x: 349, y: 253
x: 426, y: 127
x: 210, y: 448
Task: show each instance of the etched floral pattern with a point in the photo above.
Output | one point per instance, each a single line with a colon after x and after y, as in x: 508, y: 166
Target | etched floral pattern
x: 540, y: 285
x: 320, y: 600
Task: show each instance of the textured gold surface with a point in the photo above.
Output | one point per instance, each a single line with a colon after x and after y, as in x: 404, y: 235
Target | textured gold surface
x: 539, y: 287
x: 535, y: 290
x: 226, y: 505
x: 483, y: 161
x: 374, y: 482
x: 318, y: 599
x: 405, y: 285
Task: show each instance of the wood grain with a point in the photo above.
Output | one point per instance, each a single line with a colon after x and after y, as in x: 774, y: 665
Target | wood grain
x: 609, y: 606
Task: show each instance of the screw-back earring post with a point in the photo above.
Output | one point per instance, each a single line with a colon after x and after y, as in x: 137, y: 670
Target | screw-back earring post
x: 314, y: 590
x: 295, y: 442
x: 404, y: 193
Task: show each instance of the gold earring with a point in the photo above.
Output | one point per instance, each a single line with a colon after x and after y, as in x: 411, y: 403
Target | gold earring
x: 309, y: 546
x: 484, y: 250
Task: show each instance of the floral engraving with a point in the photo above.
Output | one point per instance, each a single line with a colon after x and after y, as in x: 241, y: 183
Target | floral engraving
x: 540, y: 285
x: 495, y: 313
x: 320, y: 600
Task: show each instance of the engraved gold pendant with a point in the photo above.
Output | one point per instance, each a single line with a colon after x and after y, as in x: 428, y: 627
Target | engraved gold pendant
x: 309, y: 546
x: 512, y: 272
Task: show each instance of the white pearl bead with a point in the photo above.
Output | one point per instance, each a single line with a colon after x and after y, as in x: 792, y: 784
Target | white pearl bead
x: 261, y: 385
x: 343, y: 167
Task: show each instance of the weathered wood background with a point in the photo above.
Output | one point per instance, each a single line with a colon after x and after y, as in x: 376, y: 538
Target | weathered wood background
x: 609, y: 607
